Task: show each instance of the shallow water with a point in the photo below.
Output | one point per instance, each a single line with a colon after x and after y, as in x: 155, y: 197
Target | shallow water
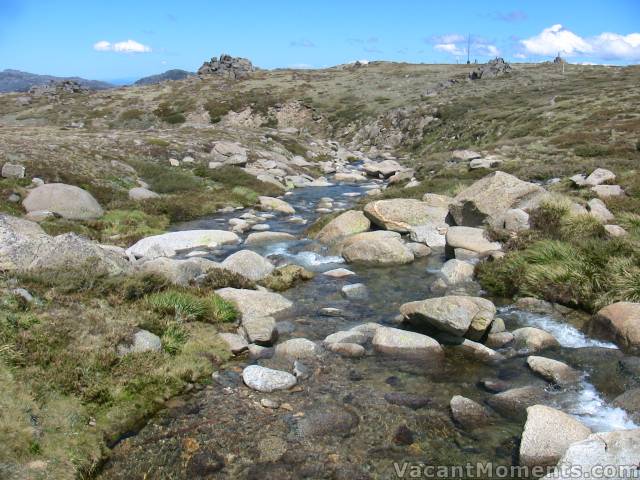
x: 340, y: 423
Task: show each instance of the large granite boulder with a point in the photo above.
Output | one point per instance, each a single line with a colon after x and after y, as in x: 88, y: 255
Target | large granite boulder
x: 249, y: 264
x: 275, y: 204
x: 344, y: 225
x: 24, y: 246
x: 547, y: 435
x: 404, y: 344
x: 452, y: 314
x: 401, y: 214
x: 376, y: 249
x: 68, y: 201
x: 168, y: 244
x: 178, y: 271
x: 471, y: 239
x: 255, y: 303
x: 488, y: 199
x: 618, y: 451
x: 620, y: 323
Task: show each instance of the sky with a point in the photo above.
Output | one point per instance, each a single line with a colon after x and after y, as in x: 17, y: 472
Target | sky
x: 121, y: 41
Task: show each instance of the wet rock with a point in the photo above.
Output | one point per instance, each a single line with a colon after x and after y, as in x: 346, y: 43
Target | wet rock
x: 249, y: 264
x: 326, y: 420
x: 143, y: 341
x: 620, y: 323
x: 261, y: 238
x: 478, y: 352
x: 469, y: 238
x: 344, y: 225
x: 497, y: 326
x: 553, y: 370
x: 236, y: 343
x: 140, y: 193
x: 512, y: 403
x: 611, y: 449
x: 404, y: 344
x: 402, y: 214
x: 630, y: 401
x: 347, y: 336
x: 383, y: 169
x: 298, y: 348
x: 368, y: 329
x: 338, y: 273
x: 419, y: 250
x: 432, y: 235
x: 403, y: 436
x: 499, y: 340
x: 257, y: 352
x: 600, y: 176
x: 535, y: 305
x: 272, y: 448
x: 534, y: 339
x: 468, y: 413
x: 373, y: 249
x: 267, y: 380
x: 409, y: 400
x: 301, y: 371
x: 260, y: 330
x: 488, y: 199
x: 254, y: 303
x: 349, y: 177
x: 204, y: 463
x: 350, y: 350
x: 493, y: 385
x: 451, y: 314
x: 68, y: 201
x: 547, y: 435
x: 455, y: 271
x: 275, y: 204
x: 286, y: 277
x: 172, y: 242
x: 269, y: 403
x: 355, y: 291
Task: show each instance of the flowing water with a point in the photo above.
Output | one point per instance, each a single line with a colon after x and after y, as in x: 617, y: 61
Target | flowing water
x: 355, y: 418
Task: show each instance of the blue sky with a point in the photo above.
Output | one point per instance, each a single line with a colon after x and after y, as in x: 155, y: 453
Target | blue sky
x: 128, y: 39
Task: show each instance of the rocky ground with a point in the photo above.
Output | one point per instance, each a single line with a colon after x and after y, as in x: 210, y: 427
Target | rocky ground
x: 155, y: 235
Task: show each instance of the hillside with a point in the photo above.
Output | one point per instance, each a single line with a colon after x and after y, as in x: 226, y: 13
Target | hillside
x: 175, y: 74
x: 18, y: 81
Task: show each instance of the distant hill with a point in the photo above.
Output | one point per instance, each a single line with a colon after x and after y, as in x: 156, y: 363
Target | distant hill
x: 17, y: 81
x: 175, y: 74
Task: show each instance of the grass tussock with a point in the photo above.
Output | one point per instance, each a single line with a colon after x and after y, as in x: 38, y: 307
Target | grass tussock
x: 186, y: 306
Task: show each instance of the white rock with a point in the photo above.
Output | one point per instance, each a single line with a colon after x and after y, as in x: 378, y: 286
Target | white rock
x: 405, y: 344
x: 183, y: 240
x: 267, y: 380
x: 249, y: 264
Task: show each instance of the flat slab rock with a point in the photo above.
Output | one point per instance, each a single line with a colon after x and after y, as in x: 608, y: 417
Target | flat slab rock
x: 172, y: 242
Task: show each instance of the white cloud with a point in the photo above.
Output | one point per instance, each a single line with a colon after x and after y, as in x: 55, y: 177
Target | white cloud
x: 608, y: 46
x: 127, y: 46
x: 448, y: 38
x: 102, y: 46
x: 450, y: 48
x: 519, y: 55
x: 485, y: 50
x: 556, y: 39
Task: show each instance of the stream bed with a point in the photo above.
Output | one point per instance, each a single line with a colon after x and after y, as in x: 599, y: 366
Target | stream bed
x: 353, y: 418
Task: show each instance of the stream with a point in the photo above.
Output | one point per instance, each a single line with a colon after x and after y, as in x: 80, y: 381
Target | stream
x: 353, y: 418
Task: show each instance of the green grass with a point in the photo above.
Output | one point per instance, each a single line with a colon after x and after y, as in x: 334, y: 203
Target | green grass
x: 186, y: 306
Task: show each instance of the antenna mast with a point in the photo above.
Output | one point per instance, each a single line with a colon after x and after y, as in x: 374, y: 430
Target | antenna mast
x: 468, y: 48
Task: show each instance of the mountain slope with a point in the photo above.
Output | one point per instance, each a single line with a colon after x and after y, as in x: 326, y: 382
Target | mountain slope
x: 18, y: 81
x: 175, y: 74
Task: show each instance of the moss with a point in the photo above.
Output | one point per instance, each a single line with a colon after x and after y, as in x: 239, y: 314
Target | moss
x: 236, y: 177
x: 220, y: 278
x: 128, y: 226
x: 286, y: 277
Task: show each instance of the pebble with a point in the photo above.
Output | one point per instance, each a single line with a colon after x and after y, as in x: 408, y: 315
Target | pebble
x: 268, y: 403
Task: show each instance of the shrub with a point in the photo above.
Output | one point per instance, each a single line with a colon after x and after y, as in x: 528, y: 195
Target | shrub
x: 136, y: 286
x: 236, y: 177
x: 132, y: 114
x: 548, y: 216
x: 591, y: 150
x: 169, y: 113
x: 220, y: 278
x: 163, y: 179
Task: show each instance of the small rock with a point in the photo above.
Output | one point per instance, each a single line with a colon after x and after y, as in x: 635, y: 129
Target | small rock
x: 260, y: 330
x: 534, y: 339
x: 412, y: 401
x: 468, y: 413
x: 553, y: 370
x: 236, y: 343
x: 268, y: 403
x: 600, y: 176
x: 355, y: 291
x: 267, y: 380
x: 419, y: 250
x: 298, y: 348
x: 614, y: 231
x: 143, y: 341
x: 10, y: 170
x: 350, y: 350
x: 338, y: 273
